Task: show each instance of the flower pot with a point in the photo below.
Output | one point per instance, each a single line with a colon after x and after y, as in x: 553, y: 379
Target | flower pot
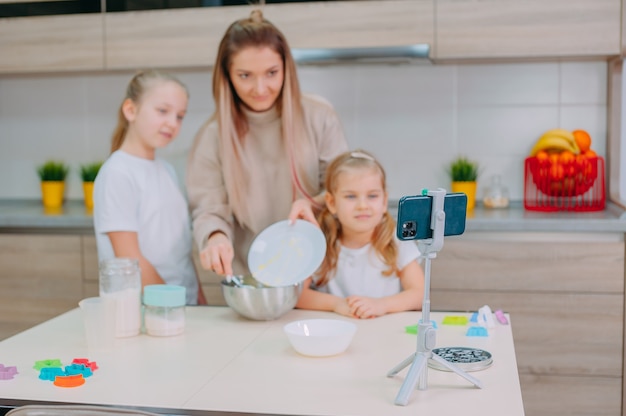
x: 469, y: 189
x: 52, y: 193
x: 88, y: 194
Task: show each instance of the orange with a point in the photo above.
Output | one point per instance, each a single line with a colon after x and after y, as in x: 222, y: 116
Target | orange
x: 583, y: 140
x: 566, y: 157
x: 589, y: 153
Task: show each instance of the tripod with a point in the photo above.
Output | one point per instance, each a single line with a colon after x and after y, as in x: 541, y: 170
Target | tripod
x: 426, y: 334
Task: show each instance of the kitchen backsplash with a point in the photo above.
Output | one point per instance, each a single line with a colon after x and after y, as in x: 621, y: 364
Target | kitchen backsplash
x: 415, y: 118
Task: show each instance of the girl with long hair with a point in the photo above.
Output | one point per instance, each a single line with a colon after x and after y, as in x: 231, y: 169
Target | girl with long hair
x: 367, y: 271
x: 261, y: 157
x: 139, y: 208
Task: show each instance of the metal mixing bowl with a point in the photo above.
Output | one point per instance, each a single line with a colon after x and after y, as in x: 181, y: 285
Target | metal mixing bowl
x: 256, y: 301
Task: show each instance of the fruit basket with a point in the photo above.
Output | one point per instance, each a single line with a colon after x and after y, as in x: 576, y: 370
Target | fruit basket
x: 554, y: 184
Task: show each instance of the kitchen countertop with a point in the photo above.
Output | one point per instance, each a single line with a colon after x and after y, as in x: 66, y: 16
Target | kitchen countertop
x: 23, y: 216
x: 223, y: 363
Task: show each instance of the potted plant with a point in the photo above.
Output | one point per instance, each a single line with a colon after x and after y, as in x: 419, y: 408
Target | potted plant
x: 52, y: 174
x: 463, y: 175
x: 88, y: 174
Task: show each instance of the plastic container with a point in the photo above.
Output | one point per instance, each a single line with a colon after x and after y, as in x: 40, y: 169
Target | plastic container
x: 578, y: 186
x: 120, y: 279
x: 496, y: 195
x: 164, y: 313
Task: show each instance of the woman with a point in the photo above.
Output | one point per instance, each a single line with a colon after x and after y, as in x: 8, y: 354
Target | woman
x: 261, y: 157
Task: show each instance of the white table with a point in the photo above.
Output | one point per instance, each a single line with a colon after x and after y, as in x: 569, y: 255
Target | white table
x: 226, y: 363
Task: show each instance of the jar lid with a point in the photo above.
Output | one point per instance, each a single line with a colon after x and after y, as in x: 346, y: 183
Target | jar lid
x: 164, y: 295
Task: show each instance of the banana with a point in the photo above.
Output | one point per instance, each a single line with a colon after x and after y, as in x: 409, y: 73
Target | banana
x: 556, y: 140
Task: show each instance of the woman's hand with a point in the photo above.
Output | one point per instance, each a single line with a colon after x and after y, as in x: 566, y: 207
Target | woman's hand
x: 218, y: 254
x: 302, y: 208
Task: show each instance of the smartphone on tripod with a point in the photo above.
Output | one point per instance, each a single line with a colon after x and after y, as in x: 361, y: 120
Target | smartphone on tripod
x: 414, y: 216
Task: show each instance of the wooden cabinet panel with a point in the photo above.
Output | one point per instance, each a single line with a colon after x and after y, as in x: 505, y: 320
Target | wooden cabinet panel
x: 51, y: 43
x: 531, y: 28
x: 561, y: 395
x: 190, y: 37
x: 530, y: 266
x: 40, y: 277
x: 566, y: 300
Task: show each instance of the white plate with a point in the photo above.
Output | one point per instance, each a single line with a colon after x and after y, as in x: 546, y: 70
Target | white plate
x: 284, y: 254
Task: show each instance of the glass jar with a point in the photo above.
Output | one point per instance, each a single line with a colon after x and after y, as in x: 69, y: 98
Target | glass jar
x: 164, y: 310
x: 496, y: 195
x: 120, y: 280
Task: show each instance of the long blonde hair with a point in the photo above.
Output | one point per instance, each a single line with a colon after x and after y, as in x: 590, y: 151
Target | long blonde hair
x: 137, y: 87
x: 256, y: 31
x: 383, y: 237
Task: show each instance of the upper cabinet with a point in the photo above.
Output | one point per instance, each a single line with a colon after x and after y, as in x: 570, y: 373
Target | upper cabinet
x: 190, y: 37
x: 469, y: 29
x: 51, y: 43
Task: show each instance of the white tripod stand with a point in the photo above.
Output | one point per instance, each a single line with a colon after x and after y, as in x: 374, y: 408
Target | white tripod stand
x: 426, y: 333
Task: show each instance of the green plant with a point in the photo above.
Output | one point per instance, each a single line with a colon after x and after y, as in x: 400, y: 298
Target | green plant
x: 462, y: 169
x: 89, y: 171
x: 52, y: 171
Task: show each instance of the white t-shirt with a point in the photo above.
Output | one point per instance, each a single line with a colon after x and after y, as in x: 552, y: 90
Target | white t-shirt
x: 359, y: 272
x: 143, y: 196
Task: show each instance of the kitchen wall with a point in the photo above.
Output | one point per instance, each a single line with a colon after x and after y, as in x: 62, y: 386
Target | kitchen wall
x: 415, y: 118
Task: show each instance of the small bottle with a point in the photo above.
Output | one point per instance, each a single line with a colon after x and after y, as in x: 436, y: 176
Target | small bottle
x: 164, y: 313
x: 496, y: 195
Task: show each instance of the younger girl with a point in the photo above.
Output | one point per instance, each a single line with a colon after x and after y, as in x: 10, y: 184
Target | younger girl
x: 367, y: 271
x: 139, y: 209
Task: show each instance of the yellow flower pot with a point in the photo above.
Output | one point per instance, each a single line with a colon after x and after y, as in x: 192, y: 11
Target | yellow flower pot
x: 469, y: 189
x: 52, y: 193
x: 88, y: 194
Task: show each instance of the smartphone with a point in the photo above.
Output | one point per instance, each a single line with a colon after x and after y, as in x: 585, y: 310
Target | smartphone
x: 414, y: 214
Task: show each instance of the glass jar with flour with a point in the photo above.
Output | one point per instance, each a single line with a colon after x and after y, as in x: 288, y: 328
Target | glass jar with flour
x: 120, y: 279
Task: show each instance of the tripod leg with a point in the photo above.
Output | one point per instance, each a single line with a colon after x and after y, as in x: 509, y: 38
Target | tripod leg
x: 406, y: 362
x: 418, y: 366
x: 457, y: 370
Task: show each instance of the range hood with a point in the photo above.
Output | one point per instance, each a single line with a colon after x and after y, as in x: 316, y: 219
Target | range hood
x: 417, y: 53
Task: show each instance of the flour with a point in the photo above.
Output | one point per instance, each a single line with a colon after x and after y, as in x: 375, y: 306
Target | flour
x: 128, y: 311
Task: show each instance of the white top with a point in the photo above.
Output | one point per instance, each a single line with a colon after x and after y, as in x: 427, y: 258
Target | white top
x: 360, y: 272
x: 224, y: 363
x: 143, y: 196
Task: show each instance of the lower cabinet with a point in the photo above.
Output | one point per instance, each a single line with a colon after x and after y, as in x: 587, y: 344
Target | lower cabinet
x: 565, y: 294
x: 41, y: 276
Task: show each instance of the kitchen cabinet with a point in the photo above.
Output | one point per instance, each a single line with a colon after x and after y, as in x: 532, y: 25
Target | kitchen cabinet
x: 470, y: 29
x: 41, y: 277
x: 566, y: 296
x: 51, y: 43
x: 190, y: 37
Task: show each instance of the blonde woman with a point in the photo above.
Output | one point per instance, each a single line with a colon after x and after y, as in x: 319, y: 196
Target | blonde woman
x: 367, y: 271
x: 261, y: 157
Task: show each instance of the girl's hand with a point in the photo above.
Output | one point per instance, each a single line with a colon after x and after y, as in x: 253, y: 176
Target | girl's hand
x: 364, y: 308
x: 342, y: 308
x: 303, y: 209
x: 218, y: 254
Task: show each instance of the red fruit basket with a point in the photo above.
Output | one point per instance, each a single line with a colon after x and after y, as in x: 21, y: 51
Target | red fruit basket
x: 577, y: 185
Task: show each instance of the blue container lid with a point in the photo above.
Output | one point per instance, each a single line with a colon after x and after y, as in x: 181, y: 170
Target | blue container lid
x: 164, y: 295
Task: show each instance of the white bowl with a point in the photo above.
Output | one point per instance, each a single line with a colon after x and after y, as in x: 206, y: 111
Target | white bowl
x: 320, y: 337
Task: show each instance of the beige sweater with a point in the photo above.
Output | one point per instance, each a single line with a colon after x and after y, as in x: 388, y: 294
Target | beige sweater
x: 271, y: 191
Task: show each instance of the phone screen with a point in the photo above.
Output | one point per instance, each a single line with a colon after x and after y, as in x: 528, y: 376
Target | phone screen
x: 414, y: 216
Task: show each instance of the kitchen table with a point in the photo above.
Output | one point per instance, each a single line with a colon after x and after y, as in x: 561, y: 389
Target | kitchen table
x: 225, y: 363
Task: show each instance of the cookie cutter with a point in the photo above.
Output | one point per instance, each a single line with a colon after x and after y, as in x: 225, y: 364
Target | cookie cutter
x: 74, y: 380
x: 7, y: 372
x: 50, y: 373
x: 91, y: 364
x: 55, y: 362
x: 74, y: 369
